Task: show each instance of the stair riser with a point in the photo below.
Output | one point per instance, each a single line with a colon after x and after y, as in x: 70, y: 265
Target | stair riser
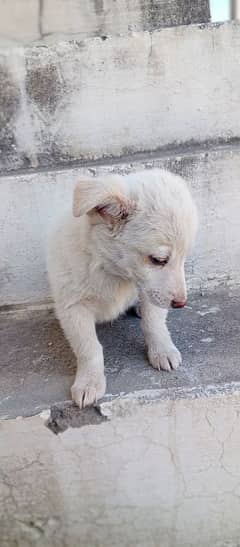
x: 29, y: 204
x: 124, y: 94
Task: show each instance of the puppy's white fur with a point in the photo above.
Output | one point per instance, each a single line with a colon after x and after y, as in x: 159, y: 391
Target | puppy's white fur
x: 101, y: 260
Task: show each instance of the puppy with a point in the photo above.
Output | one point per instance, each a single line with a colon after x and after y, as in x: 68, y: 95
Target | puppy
x: 127, y: 239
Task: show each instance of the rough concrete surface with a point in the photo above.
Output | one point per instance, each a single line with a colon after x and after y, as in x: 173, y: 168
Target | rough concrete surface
x: 116, y: 95
x: 37, y: 367
x: 30, y: 203
x: 31, y: 20
x: 168, y: 475
x: 113, y: 17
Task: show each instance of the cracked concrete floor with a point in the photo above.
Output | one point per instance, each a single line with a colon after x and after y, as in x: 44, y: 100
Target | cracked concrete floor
x: 37, y: 367
x: 164, y: 475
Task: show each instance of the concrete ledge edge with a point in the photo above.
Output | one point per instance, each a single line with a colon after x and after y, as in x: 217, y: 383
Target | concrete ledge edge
x: 187, y: 149
x: 60, y: 416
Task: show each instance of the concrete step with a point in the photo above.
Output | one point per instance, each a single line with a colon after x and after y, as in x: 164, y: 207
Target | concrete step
x: 37, y: 367
x: 114, y: 95
x: 54, y: 19
x: 30, y: 202
x: 166, y: 474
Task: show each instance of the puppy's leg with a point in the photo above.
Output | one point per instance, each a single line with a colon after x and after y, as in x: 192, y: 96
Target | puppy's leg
x: 162, y: 353
x: 79, y: 326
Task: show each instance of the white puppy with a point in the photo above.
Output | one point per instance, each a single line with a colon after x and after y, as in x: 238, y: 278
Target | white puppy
x: 128, y: 239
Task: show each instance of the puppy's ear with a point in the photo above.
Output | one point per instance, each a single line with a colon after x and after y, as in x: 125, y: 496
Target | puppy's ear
x: 86, y: 195
x: 102, y: 201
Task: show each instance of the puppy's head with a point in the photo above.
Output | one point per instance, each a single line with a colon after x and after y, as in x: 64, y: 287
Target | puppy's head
x: 146, y: 224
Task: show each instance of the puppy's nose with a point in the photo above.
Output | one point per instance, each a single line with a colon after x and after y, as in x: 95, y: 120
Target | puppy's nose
x: 178, y: 303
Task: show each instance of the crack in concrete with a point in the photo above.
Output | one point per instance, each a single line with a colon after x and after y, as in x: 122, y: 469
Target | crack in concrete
x: 40, y: 18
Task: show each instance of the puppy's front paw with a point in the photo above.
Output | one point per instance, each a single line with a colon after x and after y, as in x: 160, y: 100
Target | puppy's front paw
x: 164, y: 357
x: 87, y: 390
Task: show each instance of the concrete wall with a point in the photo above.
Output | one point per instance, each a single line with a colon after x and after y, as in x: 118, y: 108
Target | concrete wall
x: 124, y: 94
x: 30, y: 202
x: 164, y: 475
x: 30, y: 20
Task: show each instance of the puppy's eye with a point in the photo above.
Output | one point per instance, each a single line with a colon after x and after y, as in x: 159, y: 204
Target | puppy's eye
x: 158, y: 261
